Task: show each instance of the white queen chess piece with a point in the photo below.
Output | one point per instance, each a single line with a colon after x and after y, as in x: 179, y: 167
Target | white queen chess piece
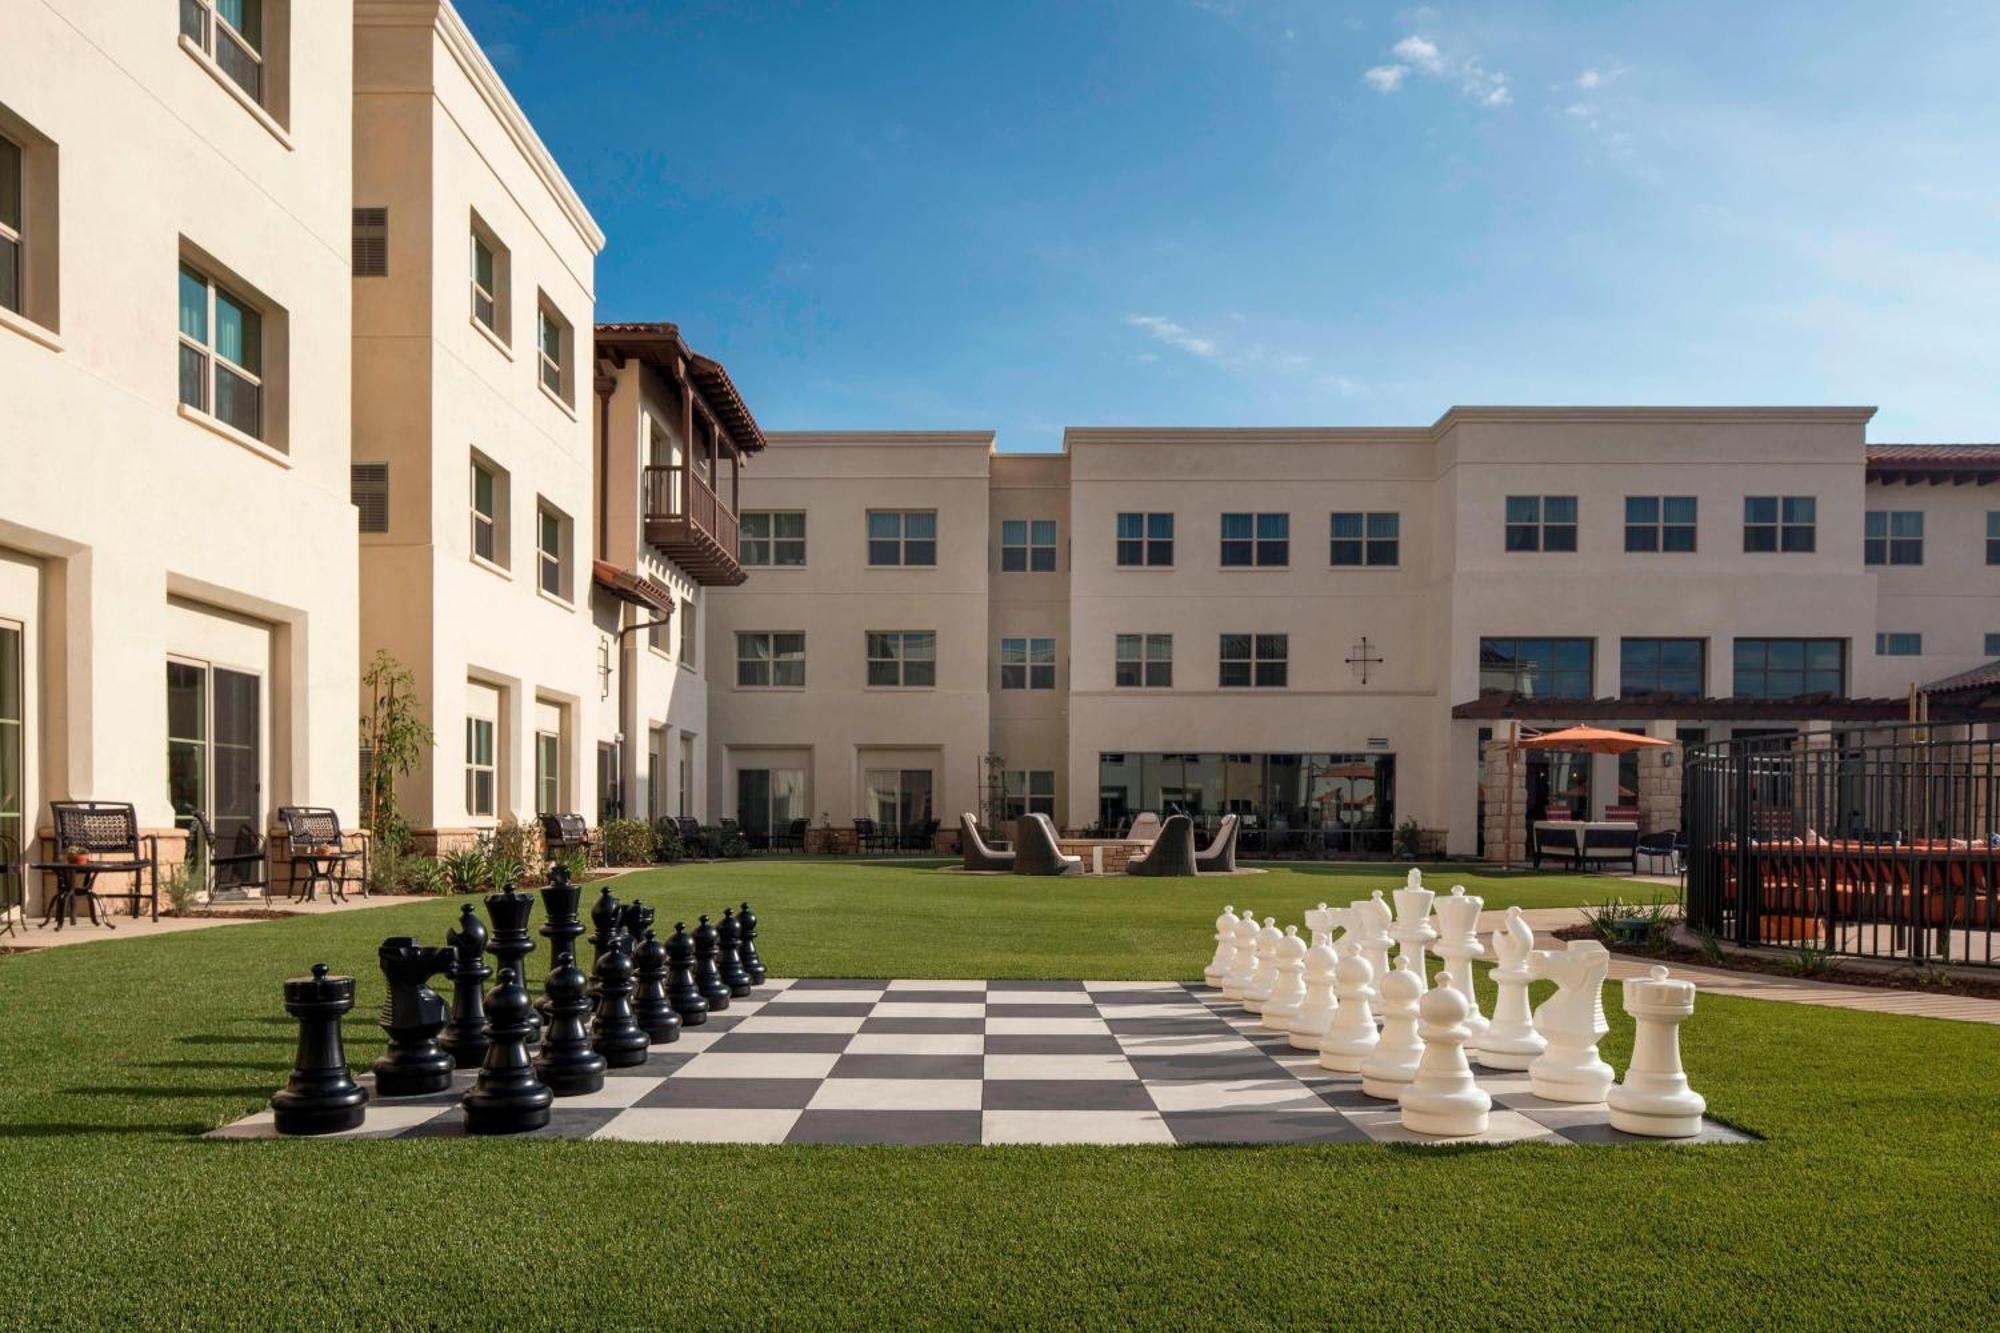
x: 1511, y: 1041
x: 1370, y: 918
x: 1654, y: 1099
x: 1443, y: 1099
x: 1316, y: 1012
x: 1225, y: 947
x: 1458, y: 944
x: 1290, y: 992
x: 1243, y: 962
x: 1265, y: 977
x: 1393, y: 1063
x: 1572, y: 1020
x: 1413, y: 929
x: 1351, y: 1035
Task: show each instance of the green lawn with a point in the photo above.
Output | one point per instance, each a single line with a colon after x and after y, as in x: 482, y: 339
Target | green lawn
x: 1874, y: 1201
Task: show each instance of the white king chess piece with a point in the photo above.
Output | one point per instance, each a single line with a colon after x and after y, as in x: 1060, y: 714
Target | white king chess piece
x: 1572, y: 1020
x: 1393, y: 1063
x: 1243, y: 962
x: 1225, y: 947
x: 1458, y: 944
x: 1370, y: 930
x: 1350, y: 1037
x: 1316, y: 1012
x: 1265, y: 978
x: 1320, y: 922
x: 1511, y: 1041
x: 1443, y: 1099
x: 1290, y: 992
x: 1654, y: 1099
x: 1413, y: 929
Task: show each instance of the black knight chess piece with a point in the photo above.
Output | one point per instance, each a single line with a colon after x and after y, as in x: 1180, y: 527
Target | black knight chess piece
x: 321, y: 1097
x: 512, y: 944
x: 508, y: 1098
x: 706, y: 979
x: 746, y: 945
x: 412, y: 1015
x: 728, y: 962
x: 566, y: 1061
x: 682, y: 993
x: 465, y: 1034
x: 651, y: 1008
x: 614, y: 1033
x: 560, y: 925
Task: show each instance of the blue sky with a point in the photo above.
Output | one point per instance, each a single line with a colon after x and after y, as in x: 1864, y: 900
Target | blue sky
x: 1019, y: 217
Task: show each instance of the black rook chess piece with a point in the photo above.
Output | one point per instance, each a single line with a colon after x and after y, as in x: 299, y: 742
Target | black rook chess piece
x: 651, y: 1008
x: 508, y: 1098
x: 746, y: 945
x: 706, y: 979
x: 613, y: 1032
x: 412, y: 1014
x: 566, y: 1062
x: 729, y: 963
x: 560, y: 925
x: 321, y: 1097
x: 681, y: 990
x: 511, y: 942
x: 465, y: 1035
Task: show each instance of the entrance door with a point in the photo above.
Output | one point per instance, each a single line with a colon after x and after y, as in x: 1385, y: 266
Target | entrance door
x: 899, y: 798
x: 13, y: 741
x: 215, y: 751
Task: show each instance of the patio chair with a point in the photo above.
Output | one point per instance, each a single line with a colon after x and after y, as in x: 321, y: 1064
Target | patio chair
x: 793, y: 839
x: 1662, y: 846
x: 241, y: 863
x: 1603, y: 846
x: 920, y: 838
x: 563, y: 834
x: 315, y: 840
x: 870, y: 836
x: 108, y: 831
x: 979, y: 856
x: 1219, y: 857
x: 1172, y: 853
x: 1036, y: 851
x: 693, y: 840
x: 1145, y: 827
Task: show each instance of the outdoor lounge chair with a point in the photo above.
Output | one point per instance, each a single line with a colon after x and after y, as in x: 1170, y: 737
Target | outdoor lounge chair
x: 1172, y: 853
x: 979, y: 856
x: 1219, y: 857
x: 1036, y: 851
x: 234, y: 866
x: 1145, y: 827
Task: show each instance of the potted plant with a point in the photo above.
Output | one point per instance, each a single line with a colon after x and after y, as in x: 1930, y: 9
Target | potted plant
x: 76, y: 856
x: 1409, y: 838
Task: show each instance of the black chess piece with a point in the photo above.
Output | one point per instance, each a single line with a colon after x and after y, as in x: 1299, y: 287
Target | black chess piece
x: 614, y: 1033
x: 465, y: 1035
x: 508, y: 1098
x: 682, y: 993
x: 566, y: 1062
x: 635, y: 922
x: 729, y: 963
x: 603, y: 935
x: 412, y: 1014
x: 651, y: 1008
x: 746, y: 945
x: 321, y: 1097
x: 560, y: 925
x: 512, y: 944
x: 706, y: 979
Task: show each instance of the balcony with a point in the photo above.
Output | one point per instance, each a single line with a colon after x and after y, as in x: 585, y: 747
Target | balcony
x: 692, y: 526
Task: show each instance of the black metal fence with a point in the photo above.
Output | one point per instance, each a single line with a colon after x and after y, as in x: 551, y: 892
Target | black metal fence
x: 1879, y: 844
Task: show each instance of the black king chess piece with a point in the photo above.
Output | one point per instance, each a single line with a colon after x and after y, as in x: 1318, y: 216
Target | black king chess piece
x: 321, y: 1097
x: 508, y: 1098
x: 465, y: 1035
x: 614, y: 1034
x: 412, y: 1014
x: 512, y: 944
x: 706, y: 979
x: 651, y: 1008
x: 682, y: 993
x: 566, y: 1062
x: 746, y: 945
x: 560, y: 924
x: 728, y: 962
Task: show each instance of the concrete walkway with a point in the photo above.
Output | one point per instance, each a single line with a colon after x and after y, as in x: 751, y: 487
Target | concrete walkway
x: 1831, y: 995
x: 33, y: 937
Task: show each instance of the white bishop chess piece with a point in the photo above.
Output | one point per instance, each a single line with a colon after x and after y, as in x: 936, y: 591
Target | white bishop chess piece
x: 1243, y: 961
x: 1654, y: 1099
x: 1225, y: 947
x: 1265, y: 978
x: 1458, y: 944
x: 1290, y: 992
x: 1511, y: 1041
x: 1369, y: 929
x: 1316, y: 1012
x: 1443, y: 1099
x: 1393, y: 1063
x: 1572, y: 1020
x: 1413, y: 929
x: 1351, y: 1035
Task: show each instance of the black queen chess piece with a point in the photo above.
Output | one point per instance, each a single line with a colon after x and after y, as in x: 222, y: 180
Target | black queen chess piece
x: 508, y: 1098
x: 321, y: 1097
x: 614, y: 1033
x: 682, y: 993
x: 651, y: 1008
x: 561, y: 925
x: 746, y: 945
x: 728, y: 962
x: 412, y: 1015
x: 465, y: 1034
x: 706, y: 979
x: 509, y: 911
x: 566, y: 1061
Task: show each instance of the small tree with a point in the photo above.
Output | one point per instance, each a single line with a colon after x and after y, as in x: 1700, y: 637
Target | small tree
x: 398, y: 739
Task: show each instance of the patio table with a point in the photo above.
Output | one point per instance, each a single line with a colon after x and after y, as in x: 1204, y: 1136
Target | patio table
x: 73, y: 880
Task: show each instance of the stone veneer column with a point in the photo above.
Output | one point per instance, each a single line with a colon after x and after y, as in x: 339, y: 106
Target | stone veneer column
x: 1660, y: 788
x: 1506, y: 820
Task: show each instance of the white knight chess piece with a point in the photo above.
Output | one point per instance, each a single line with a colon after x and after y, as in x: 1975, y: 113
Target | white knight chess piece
x: 1458, y: 944
x: 1654, y: 1099
x: 1572, y: 1020
x: 1290, y: 992
x: 1351, y: 1035
x: 1265, y: 977
x: 1242, y: 962
x: 1443, y: 1099
x: 1225, y: 947
x: 1370, y: 931
x: 1393, y: 1063
x: 1511, y: 1041
x: 1316, y: 1012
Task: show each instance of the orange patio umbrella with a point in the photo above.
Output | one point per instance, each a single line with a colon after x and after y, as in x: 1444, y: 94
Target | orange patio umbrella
x: 1590, y: 740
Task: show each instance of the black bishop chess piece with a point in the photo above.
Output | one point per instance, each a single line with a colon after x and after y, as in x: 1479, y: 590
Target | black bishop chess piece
x: 465, y: 1034
x: 728, y: 962
x: 560, y: 924
x: 614, y: 1033
x: 508, y: 1098
x: 682, y: 993
x: 566, y: 1061
x: 321, y: 1097
x: 635, y: 919
x: 746, y: 945
x: 412, y: 1015
x: 512, y: 944
x: 651, y: 1008
x: 603, y: 934
x: 706, y: 979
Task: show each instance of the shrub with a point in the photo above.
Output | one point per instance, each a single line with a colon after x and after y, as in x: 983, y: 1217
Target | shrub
x: 513, y: 847
x: 466, y: 870
x: 422, y: 875
x: 726, y: 842
x: 575, y: 862
x: 667, y: 846
x: 1810, y: 960
x: 627, y: 842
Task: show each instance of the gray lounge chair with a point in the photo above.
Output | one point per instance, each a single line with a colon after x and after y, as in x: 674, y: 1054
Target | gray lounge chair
x: 1035, y: 849
x: 1144, y: 828
x: 1172, y: 853
x: 1219, y: 857
x: 978, y: 856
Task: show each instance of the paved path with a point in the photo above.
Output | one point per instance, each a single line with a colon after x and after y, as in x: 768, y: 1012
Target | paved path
x: 36, y: 937
x: 1832, y: 995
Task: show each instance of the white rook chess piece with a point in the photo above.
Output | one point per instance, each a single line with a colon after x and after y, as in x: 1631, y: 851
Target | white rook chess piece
x: 1290, y: 992
x: 1393, y: 1063
x: 1369, y: 928
x: 1511, y: 1041
x: 1351, y: 1035
x: 1572, y: 1020
x: 1225, y: 947
x: 1442, y: 1099
x: 1316, y: 1012
x: 1413, y: 929
x: 1244, y: 960
x: 1458, y: 944
x: 1265, y: 978
x: 1654, y: 1098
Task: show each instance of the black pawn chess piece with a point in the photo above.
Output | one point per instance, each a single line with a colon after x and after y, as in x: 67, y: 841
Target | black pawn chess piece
x: 560, y: 925
x: 566, y: 1061
x: 746, y: 945
x: 651, y: 1008
x: 465, y: 1035
x: 614, y: 1033
x: 321, y: 1097
x: 682, y: 993
x: 511, y: 942
x: 508, y: 1098
x: 706, y: 979
x: 412, y: 1014
x: 729, y: 963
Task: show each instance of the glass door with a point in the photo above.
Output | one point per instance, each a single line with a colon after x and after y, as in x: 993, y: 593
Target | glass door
x: 753, y: 804
x: 13, y: 748
x: 215, y: 752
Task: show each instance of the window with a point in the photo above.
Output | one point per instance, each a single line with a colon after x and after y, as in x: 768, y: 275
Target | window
x: 486, y: 513
x: 548, y: 773
x: 1256, y: 540
x: 30, y: 229
x: 769, y: 538
x: 368, y: 488
x: 1662, y: 668
x: 369, y: 256
x: 1145, y: 661
x: 552, y: 348
x: 1028, y: 792
x: 13, y: 747
x: 657, y: 630
x: 902, y: 536
x: 1899, y: 645
x: 1254, y: 661
x: 1779, y: 522
x: 768, y: 800
x: 222, y: 354
x: 215, y: 749
x: 12, y: 277
x: 1027, y: 546
x: 1537, y: 668
x: 1146, y: 540
x: 1993, y: 536
x: 1541, y: 522
x: 906, y: 658
x: 1790, y: 668
x: 1027, y: 664
x: 485, y: 283
x: 765, y: 659
x: 687, y: 636
x: 1659, y: 522
x: 899, y: 798
x: 552, y: 550
x: 1372, y: 540
x: 610, y: 784
x: 231, y: 33
x: 1894, y: 537
x: 1993, y: 645
x: 480, y: 773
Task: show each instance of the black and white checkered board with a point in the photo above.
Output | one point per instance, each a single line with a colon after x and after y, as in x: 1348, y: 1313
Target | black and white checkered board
x: 839, y: 1061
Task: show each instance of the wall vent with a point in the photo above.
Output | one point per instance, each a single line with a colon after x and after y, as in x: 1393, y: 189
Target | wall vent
x: 368, y: 484
x: 371, y: 242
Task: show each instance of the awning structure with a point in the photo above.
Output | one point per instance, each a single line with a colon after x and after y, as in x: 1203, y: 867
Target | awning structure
x: 634, y: 589
x: 1505, y: 707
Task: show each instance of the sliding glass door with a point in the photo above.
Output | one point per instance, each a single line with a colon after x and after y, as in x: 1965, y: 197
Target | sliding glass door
x: 215, y: 750
x: 768, y: 800
x: 13, y: 748
x: 899, y: 798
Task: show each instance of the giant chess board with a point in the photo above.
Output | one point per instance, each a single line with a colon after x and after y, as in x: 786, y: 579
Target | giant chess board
x: 910, y: 1062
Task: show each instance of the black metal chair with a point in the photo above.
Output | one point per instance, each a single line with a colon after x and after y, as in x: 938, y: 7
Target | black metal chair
x: 867, y: 836
x: 564, y: 833
x: 793, y: 839
x: 314, y: 839
x: 919, y: 838
x: 242, y: 864
x: 106, y: 835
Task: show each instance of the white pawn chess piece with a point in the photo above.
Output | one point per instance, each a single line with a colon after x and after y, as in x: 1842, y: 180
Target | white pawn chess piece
x: 1225, y: 947
x: 1413, y: 929
x: 1511, y: 1041
x: 1316, y: 1012
x: 1443, y: 1099
x: 1572, y: 1020
x: 1244, y: 961
x: 1458, y: 944
x: 1654, y: 1098
x: 1350, y: 1037
x: 1319, y: 921
x: 1290, y: 992
x: 1264, y: 979
x: 1370, y: 918
x: 1393, y: 1063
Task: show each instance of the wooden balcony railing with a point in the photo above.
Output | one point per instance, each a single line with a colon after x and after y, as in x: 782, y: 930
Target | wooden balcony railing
x: 687, y: 520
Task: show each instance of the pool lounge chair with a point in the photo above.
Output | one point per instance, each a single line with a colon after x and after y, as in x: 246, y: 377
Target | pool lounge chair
x: 1219, y: 857
x: 1036, y: 851
x: 1172, y: 853
x: 978, y: 856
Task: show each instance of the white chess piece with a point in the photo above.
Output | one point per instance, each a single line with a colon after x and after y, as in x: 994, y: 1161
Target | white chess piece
x: 1511, y: 1041
x: 1225, y: 947
x: 1458, y: 944
x: 1413, y: 929
x: 1290, y: 992
x: 1572, y: 1020
x: 1320, y: 922
x: 1244, y: 961
x: 1654, y: 1099
x: 1370, y: 919
x: 1443, y: 1099
x: 1316, y: 1012
x: 1393, y: 1063
x: 1351, y: 1035
x: 1265, y: 978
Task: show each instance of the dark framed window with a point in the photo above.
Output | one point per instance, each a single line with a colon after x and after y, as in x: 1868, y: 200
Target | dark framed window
x: 772, y: 538
x: 11, y: 191
x: 221, y: 353
x: 1662, y: 668
x: 1146, y: 540
x: 1028, y: 792
x: 1541, y: 522
x: 1372, y: 540
x: 1256, y: 540
x: 1027, y: 664
x: 1898, y: 645
x: 902, y: 537
x: 1790, y: 668
x: 1894, y: 537
x: 1538, y: 668
x: 1144, y: 661
x: 1254, y: 661
x: 1779, y: 523
x: 1659, y: 523
x: 765, y: 660
x: 1027, y: 546
x: 1992, y: 645
x: 906, y: 658
x: 1993, y: 536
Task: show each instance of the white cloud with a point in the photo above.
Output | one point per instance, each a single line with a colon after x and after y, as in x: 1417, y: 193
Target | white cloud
x: 1174, y: 335
x: 1589, y: 79
x: 1385, y: 79
x: 1419, y: 54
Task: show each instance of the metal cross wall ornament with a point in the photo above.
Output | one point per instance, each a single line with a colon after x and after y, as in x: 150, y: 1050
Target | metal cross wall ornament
x: 1362, y: 659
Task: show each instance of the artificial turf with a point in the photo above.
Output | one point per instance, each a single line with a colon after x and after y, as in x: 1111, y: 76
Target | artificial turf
x: 1873, y: 1201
